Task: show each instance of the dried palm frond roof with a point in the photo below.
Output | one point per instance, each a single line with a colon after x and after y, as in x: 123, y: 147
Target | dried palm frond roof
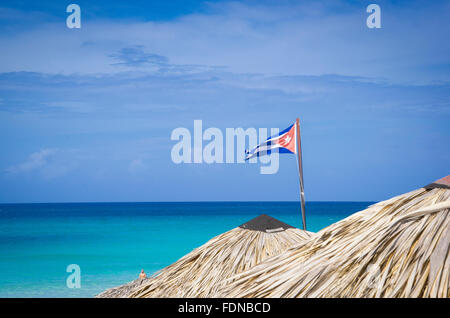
x: 395, y: 248
x: 122, y: 291
x: 198, y: 273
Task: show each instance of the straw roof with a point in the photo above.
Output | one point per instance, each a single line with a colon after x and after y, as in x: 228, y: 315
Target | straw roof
x: 395, y: 248
x: 123, y: 290
x: 198, y: 273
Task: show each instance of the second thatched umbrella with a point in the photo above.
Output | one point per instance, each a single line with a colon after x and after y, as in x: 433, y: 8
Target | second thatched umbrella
x: 198, y: 273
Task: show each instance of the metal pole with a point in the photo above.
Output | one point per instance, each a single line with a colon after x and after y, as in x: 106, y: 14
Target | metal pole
x: 300, y: 172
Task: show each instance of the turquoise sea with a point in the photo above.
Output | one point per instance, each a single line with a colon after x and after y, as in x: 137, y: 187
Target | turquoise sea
x: 112, y: 242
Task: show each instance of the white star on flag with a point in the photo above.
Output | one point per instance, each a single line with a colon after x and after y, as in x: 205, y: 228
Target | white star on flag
x: 287, y: 139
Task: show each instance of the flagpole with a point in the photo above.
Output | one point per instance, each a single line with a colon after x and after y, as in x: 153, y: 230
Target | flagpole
x: 300, y: 172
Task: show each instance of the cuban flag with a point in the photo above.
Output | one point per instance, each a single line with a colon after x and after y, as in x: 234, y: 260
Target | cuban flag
x: 284, y: 142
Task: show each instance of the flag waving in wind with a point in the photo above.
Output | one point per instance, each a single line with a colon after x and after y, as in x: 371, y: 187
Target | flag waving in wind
x: 285, y: 141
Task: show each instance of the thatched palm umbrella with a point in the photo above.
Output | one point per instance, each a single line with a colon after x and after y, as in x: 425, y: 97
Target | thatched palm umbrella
x: 199, y: 272
x: 395, y: 248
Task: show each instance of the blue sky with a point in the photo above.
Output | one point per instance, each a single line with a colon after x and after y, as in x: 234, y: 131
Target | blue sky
x: 86, y: 114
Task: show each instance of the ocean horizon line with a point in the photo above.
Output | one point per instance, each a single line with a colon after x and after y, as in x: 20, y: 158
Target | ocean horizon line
x: 174, y: 202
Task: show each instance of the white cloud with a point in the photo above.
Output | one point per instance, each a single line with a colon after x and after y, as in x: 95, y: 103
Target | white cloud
x: 49, y: 163
x: 136, y: 166
x: 35, y: 161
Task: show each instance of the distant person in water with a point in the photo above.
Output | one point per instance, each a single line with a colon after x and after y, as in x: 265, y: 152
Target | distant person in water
x: 142, y: 275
